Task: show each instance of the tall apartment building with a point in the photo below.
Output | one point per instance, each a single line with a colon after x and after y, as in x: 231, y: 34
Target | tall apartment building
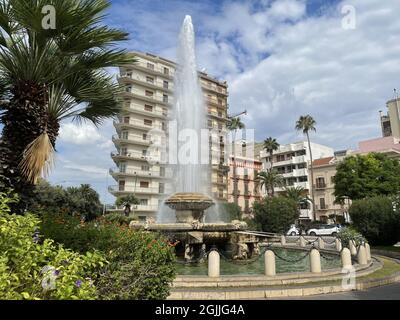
x: 390, y: 123
x: 147, y: 102
x: 292, y: 162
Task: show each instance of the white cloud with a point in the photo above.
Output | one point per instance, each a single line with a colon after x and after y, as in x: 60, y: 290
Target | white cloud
x: 84, y: 134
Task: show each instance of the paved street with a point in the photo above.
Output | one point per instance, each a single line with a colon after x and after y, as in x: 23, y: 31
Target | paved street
x: 389, y: 292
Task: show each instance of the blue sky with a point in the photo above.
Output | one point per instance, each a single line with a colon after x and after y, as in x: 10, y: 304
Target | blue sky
x: 281, y: 59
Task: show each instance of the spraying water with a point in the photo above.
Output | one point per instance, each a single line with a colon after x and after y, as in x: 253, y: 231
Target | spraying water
x: 191, y: 173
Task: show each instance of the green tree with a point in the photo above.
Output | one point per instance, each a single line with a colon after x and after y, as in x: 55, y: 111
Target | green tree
x: 48, y: 75
x: 127, y: 201
x: 362, y: 176
x: 232, y: 211
x: 82, y: 201
x: 306, y: 124
x: 271, y: 145
x: 377, y: 218
x: 269, y: 180
x: 234, y: 125
x: 298, y: 194
x: 275, y: 214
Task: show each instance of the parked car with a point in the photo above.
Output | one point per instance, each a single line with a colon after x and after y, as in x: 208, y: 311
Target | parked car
x: 293, y: 231
x: 324, y: 230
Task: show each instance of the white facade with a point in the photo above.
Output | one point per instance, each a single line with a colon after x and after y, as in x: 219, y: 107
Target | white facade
x: 143, y: 124
x: 292, y: 162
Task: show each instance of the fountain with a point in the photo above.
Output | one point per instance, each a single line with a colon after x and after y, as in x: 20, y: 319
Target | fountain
x: 192, y: 183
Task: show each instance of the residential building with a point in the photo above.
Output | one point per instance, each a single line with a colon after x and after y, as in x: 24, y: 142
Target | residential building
x: 388, y: 145
x: 147, y: 102
x: 248, y: 189
x: 327, y: 210
x: 292, y: 162
x: 390, y: 123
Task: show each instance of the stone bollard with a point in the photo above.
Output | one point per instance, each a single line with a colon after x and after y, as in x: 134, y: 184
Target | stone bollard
x: 321, y: 244
x: 362, y: 255
x: 269, y: 260
x: 213, y: 264
x: 345, y: 256
x: 315, y: 261
x: 368, y: 250
x: 352, y: 247
x: 283, y: 240
x: 338, y: 244
x: 302, y: 241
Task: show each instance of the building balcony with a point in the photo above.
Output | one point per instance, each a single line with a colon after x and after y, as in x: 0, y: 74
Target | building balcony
x: 139, y: 109
x: 295, y: 173
x: 118, y: 190
x: 136, y: 124
x: 131, y: 139
x: 137, y: 94
x: 116, y: 173
x: 155, y: 70
x: 303, y: 185
x: 134, y: 156
x: 319, y: 186
x: 319, y: 207
x: 136, y: 79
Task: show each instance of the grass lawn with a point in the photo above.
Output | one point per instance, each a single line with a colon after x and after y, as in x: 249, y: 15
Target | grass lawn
x: 387, y: 248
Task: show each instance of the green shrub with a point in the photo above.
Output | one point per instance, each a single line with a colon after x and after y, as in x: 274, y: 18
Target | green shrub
x: 275, y: 214
x: 118, y: 218
x: 141, y: 265
x: 231, y: 211
x: 377, y: 218
x: 33, y: 270
x: 346, y: 234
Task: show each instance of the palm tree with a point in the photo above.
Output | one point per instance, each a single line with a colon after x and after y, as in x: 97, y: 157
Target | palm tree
x: 306, y: 124
x: 234, y: 125
x: 50, y: 75
x: 297, y: 194
x: 127, y: 202
x: 269, y: 179
x: 271, y: 145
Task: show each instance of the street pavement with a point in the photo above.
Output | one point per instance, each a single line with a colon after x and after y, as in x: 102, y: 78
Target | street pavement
x: 388, y: 292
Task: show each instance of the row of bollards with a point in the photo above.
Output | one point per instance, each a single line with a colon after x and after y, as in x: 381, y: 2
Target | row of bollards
x: 363, y: 257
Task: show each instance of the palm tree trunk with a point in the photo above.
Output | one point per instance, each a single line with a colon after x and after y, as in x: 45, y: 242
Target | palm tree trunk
x: 272, y: 163
x: 312, y: 178
x: 235, y: 186
x: 24, y: 119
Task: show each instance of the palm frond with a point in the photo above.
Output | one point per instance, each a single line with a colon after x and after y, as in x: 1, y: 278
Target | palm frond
x: 38, y: 158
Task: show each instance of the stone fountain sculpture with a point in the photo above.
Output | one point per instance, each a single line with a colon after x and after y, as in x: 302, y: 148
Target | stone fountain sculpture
x: 195, y: 236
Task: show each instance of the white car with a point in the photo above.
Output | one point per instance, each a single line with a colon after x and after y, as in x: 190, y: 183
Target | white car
x: 293, y: 231
x: 324, y: 230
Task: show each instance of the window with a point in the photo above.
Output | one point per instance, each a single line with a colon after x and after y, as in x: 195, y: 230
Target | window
x: 148, y: 122
x: 320, y: 182
x: 121, y: 185
x: 145, y: 136
x: 144, y: 202
x: 220, y: 102
x: 162, y: 171
x: 150, y: 66
x: 301, y: 166
x: 246, y: 205
x: 128, y: 88
x: 161, y: 188
x: 150, y: 79
x: 165, y: 84
x: 303, y: 179
x: 122, y: 167
x: 124, y: 151
x: 280, y: 157
x: 144, y: 152
x: 149, y: 93
x: 322, y: 203
x: 124, y: 135
x: 165, y: 98
x: 148, y: 107
x: 163, y: 126
x: 126, y: 119
x: 166, y: 71
x: 145, y: 168
x: 209, y: 123
x: 144, y: 184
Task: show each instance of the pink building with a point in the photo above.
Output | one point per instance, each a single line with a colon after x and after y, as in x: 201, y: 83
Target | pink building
x: 248, y: 188
x: 387, y: 145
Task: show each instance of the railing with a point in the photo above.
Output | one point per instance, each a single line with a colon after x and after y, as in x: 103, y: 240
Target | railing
x: 133, y: 138
x: 137, y: 155
x: 133, y: 189
x: 143, y: 173
x: 138, y: 123
x: 155, y: 68
x: 157, y: 84
x: 320, y: 186
x: 153, y: 97
x: 141, y: 108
